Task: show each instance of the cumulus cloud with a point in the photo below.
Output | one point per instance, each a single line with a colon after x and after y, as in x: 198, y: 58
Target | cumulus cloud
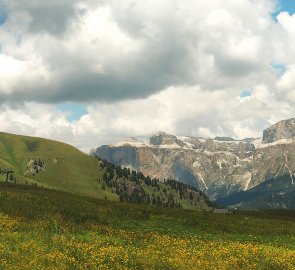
x: 118, y: 50
x: 43, y: 17
x: 179, y: 66
x: 286, y: 85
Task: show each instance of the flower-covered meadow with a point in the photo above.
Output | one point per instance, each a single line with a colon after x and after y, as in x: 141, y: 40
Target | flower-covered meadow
x: 53, y: 230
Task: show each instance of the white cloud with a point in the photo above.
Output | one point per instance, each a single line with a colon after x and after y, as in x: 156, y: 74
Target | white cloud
x: 175, y: 66
x: 287, y: 21
x: 130, y: 49
x: 286, y: 85
x: 178, y: 110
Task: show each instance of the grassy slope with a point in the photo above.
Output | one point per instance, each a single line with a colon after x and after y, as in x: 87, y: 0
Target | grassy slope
x: 46, y: 229
x: 67, y: 168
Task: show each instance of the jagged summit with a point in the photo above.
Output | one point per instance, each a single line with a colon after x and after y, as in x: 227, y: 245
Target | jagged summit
x: 162, y: 138
x: 282, y: 130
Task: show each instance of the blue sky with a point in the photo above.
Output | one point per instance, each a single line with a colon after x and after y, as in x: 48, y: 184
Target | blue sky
x: 288, y: 5
x: 3, y: 15
x: 280, y: 69
x: 73, y: 111
x: 2, y: 19
x: 246, y: 93
x: 285, y: 5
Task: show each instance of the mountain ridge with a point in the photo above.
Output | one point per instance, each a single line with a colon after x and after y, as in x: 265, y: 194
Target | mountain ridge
x: 220, y: 166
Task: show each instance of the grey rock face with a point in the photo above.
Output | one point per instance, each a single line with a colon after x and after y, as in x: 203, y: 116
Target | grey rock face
x: 122, y: 156
x: 284, y: 129
x: 216, y: 166
x: 273, y: 161
x: 219, y: 166
x: 165, y: 139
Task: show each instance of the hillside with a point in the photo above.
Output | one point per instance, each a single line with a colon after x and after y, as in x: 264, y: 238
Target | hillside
x: 59, y: 166
x: 47, y: 229
x: 134, y: 187
x: 65, y: 167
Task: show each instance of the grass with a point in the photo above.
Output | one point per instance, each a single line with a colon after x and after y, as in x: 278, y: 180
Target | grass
x: 67, y: 168
x: 47, y: 229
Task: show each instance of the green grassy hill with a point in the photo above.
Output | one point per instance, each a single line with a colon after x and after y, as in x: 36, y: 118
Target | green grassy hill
x: 66, y: 168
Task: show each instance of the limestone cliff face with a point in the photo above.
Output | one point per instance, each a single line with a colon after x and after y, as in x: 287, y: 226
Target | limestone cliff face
x: 216, y: 166
x: 272, y: 161
x: 282, y: 130
x: 122, y: 155
x: 220, y: 166
x: 275, y: 157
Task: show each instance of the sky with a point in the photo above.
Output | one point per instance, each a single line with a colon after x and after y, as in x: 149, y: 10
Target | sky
x: 94, y: 72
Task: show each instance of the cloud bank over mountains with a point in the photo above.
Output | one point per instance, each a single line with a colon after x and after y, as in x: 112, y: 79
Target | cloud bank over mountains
x: 178, y: 66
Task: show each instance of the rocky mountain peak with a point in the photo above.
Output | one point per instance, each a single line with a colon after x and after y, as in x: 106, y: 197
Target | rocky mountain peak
x: 220, y: 166
x: 284, y: 129
x: 162, y: 138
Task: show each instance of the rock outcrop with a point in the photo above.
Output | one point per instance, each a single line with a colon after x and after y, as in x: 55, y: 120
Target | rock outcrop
x: 220, y: 166
x: 282, y: 130
x: 275, y: 157
x: 273, y: 161
x: 35, y: 166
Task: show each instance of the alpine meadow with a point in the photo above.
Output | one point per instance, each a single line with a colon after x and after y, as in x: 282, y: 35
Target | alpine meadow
x: 51, y: 220
x: 147, y: 135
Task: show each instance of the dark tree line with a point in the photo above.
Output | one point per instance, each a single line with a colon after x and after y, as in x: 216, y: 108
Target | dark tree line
x: 128, y: 184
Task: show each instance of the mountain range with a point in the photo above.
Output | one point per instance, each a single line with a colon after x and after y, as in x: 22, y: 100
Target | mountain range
x: 253, y: 172
x: 220, y: 167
